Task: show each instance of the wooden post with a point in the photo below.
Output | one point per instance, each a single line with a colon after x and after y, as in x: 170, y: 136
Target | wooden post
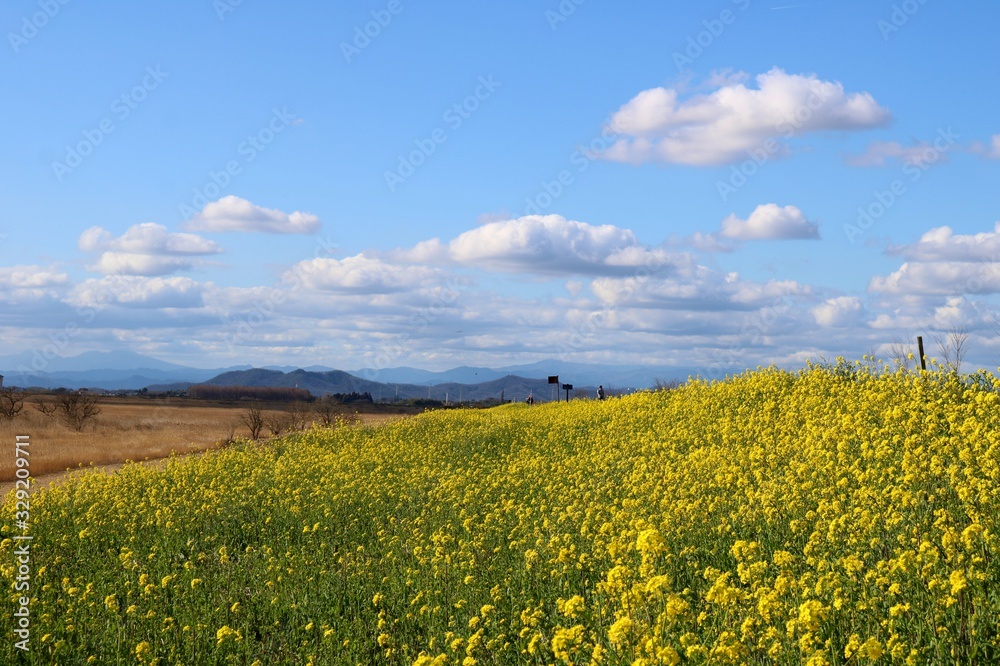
x: 920, y: 349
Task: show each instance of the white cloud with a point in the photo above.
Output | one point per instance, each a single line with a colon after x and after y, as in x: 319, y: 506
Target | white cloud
x: 942, y: 244
x: 124, y: 263
x: 721, y: 78
x: 94, y: 239
x: 31, y: 277
x: 694, y: 287
x: 712, y: 242
x: 146, y: 249
x: 942, y: 262
x: 147, y: 238
x: 840, y: 311
x: 956, y: 312
x: 132, y: 291
x: 770, y: 222
x: 543, y: 244
x: 231, y: 213
x: 938, y: 277
x: 574, y: 288
x: 880, y: 152
x: 720, y: 127
x: 360, y: 275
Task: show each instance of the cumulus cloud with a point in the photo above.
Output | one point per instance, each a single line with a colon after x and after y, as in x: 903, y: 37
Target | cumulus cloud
x: 943, y: 262
x: 942, y: 244
x: 543, y: 244
x: 770, y: 222
x: 94, y: 239
x: 146, y: 249
x: 360, y: 275
x: 147, y: 238
x: 958, y: 312
x: 132, y: 291
x: 694, y: 287
x: 231, y: 213
x: 938, y: 277
x: 31, y: 277
x: 721, y: 126
x: 125, y: 263
x: 840, y: 311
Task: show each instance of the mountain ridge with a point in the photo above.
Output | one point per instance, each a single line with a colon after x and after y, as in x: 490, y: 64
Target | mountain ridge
x: 126, y: 370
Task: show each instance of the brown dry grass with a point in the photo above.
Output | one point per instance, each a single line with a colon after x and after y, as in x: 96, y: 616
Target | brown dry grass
x: 126, y: 429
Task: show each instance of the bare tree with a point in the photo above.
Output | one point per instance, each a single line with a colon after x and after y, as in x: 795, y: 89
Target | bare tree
x: 298, y: 415
x: 953, y: 345
x: 326, y: 411
x: 11, y: 403
x: 660, y: 384
x: 253, y: 418
x: 77, y: 409
x: 47, y: 408
x: 278, y: 422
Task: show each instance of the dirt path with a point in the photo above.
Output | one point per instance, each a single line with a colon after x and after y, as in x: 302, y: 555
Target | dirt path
x: 151, y: 455
x: 46, y: 480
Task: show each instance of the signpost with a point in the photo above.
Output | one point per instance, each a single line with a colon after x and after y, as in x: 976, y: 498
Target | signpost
x: 567, y: 388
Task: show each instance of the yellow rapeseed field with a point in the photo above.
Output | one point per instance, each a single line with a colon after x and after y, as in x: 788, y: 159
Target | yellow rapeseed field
x: 836, y: 515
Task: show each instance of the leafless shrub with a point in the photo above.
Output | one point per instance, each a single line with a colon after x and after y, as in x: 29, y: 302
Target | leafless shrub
x: 298, y: 416
x: 11, y: 403
x: 47, y: 408
x: 253, y: 419
x: 953, y: 345
x: 77, y: 409
x: 278, y: 422
x: 660, y: 384
x: 326, y: 411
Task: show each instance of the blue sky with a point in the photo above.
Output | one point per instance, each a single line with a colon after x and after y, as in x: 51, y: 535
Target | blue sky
x: 376, y: 184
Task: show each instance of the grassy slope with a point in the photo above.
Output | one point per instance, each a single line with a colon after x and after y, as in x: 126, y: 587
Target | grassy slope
x: 774, y: 518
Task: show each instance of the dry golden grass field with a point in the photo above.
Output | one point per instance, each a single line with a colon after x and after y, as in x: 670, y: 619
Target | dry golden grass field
x: 126, y: 429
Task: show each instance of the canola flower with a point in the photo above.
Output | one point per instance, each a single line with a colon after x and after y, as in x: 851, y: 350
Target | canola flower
x: 836, y: 515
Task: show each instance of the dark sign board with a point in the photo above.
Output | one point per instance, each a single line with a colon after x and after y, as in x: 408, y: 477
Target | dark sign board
x: 553, y: 379
x: 567, y: 387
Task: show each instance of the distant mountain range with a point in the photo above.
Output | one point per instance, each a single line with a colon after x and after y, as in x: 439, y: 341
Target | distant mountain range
x: 508, y: 387
x: 124, y: 370
x: 120, y: 370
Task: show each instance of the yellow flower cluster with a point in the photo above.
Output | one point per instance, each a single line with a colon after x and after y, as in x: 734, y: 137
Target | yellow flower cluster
x: 834, y: 515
